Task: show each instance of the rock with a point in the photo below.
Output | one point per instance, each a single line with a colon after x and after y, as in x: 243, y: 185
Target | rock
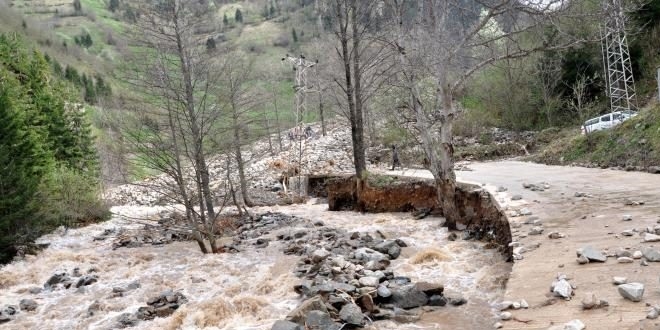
x: 582, y: 260
x: 623, y: 253
x: 627, y: 232
x: 516, y: 197
x: 593, y: 254
x: 343, y: 287
x: 625, y: 260
x: 651, y: 254
x: 637, y: 254
x: 652, y: 314
x: 456, y: 299
x: 86, y: 280
x: 524, y: 304
x: 563, y: 289
x: 501, y: 189
x: 320, y: 255
x: 351, y: 314
x: 430, y: 289
x: 536, y: 230
x: 94, y: 307
x: 632, y: 291
x: 408, y: 296
x: 590, y: 301
x: 383, y: 291
x: 619, y: 280
x: 320, y: 320
x: 59, y: 277
x: 498, y: 325
x: 286, y: 325
x: 319, y: 223
x: 7, y: 313
x: 581, y: 194
x: 28, y: 305
x: 574, y: 325
x: 394, y: 251
x: 555, y: 235
x: 626, y: 217
x: 525, y: 211
x: 127, y: 320
x: 369, y: 281
x: 367, y: 254
x: 648, y: 237
x: 505, y: 316
x: 298, y: 315
x: 437, y: 300
x: 367, y: 303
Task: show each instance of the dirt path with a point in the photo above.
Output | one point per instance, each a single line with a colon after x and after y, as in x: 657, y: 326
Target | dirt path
x: 595, y: 221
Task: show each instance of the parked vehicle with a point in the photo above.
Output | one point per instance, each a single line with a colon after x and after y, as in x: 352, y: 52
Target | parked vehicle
x: 607, y: 121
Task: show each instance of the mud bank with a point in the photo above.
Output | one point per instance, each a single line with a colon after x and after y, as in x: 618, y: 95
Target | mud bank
x: 481, y: 216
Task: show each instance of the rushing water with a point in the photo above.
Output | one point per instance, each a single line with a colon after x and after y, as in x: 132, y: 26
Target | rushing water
x: 247, y: 290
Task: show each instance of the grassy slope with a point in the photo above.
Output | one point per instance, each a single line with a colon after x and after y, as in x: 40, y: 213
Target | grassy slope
x: 634, y: 143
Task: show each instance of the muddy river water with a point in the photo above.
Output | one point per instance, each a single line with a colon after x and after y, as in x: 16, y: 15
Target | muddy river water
x: 246, y: 290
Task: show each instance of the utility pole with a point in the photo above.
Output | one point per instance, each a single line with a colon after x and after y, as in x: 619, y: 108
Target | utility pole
x: 616, y: 58
x: 301, y: 68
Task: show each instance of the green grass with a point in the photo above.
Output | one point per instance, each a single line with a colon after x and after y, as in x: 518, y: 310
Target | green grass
x: 636, y: 142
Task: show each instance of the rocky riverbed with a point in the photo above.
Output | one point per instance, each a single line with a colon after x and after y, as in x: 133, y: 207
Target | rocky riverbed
x: 276, y: 263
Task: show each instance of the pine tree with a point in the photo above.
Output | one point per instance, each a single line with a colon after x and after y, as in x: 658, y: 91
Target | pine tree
x: 113, y: 5
x: 294, y: 35
x: 225, y: 20
x: 77, y: 7
x: 238, y: 16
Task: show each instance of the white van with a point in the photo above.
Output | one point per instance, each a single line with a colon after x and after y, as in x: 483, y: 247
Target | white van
x: 607, y: 121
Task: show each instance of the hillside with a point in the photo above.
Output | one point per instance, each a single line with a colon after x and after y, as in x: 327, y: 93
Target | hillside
x: 633, y: 145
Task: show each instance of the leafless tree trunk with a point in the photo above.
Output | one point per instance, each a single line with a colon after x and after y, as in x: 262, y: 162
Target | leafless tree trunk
x: 169, y: 65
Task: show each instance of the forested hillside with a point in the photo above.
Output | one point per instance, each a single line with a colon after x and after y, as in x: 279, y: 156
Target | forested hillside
x: 49, y: 164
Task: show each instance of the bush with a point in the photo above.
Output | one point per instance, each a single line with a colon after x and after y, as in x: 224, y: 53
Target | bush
x: 69, y: 198
x: 282, y: 41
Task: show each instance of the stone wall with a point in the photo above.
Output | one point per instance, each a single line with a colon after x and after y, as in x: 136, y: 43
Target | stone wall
x: 481, y: 216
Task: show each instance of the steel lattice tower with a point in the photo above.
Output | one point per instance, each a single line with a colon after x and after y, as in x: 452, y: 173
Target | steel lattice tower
x: 616, y: 58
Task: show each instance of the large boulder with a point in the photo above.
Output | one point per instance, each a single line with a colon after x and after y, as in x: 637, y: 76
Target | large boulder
x: 299, y: 314
x: 321, y: 320
x: 351, y: 314
x: 408, y: 296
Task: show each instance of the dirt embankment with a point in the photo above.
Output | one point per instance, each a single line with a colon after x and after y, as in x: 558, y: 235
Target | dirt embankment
x: 481, y: 216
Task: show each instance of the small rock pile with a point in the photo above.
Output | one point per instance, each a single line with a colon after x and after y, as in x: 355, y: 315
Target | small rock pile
x: 64, y: 280
x: 346, y: 281
x: 162, y: 305
x: 536, y: 187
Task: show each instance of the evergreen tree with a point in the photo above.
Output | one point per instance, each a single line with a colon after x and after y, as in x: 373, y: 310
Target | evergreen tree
x: 77, y: 7
x: 71, y: 74
x: 238, y: 16
x: 294, y: 35
x: 210, y: 44
x: 113, y: 5
x: 272, y: 10
x: 225, y: 20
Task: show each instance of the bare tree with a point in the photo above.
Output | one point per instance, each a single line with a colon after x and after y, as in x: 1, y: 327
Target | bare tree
x: 240, y: 102
x: 445, y: 42
x: 170, y: 68
x: 362, y: 55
